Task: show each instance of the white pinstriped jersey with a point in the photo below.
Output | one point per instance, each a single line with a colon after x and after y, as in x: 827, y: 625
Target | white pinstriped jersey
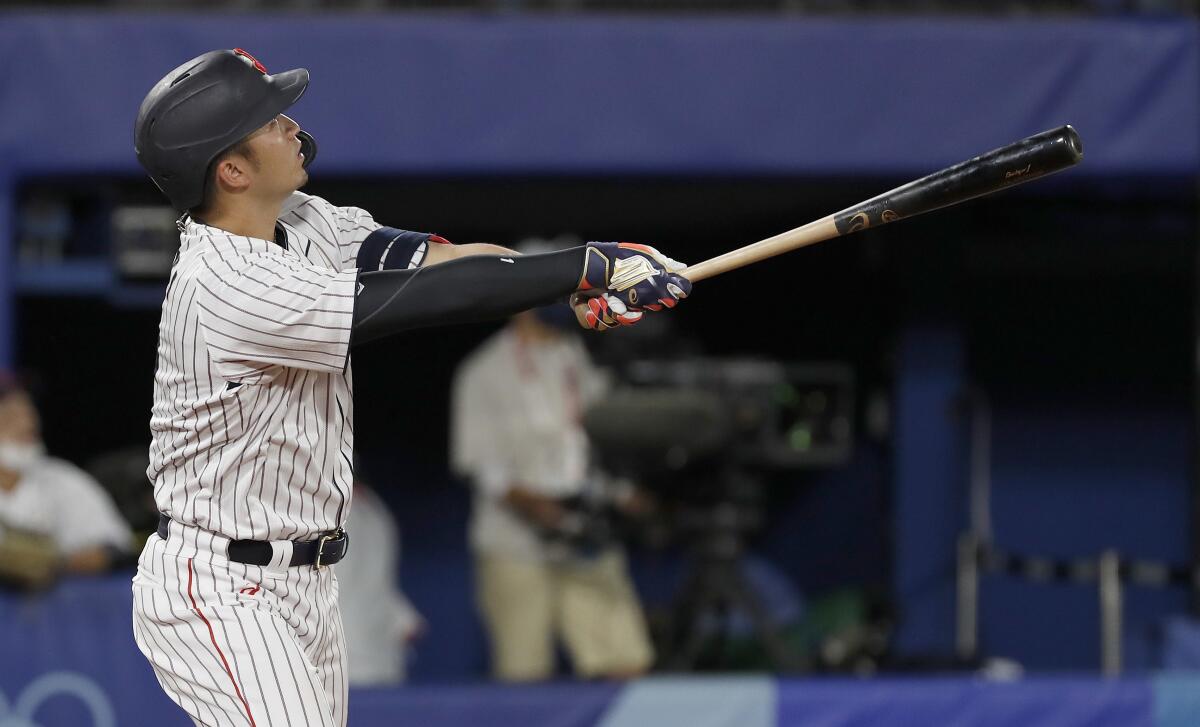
x: 252, y: 421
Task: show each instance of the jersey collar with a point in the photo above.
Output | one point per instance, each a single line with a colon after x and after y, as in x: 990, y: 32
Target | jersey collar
x: 199, y: 233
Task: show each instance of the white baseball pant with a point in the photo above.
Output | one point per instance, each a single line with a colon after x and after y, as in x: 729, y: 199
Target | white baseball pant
x: 236, y: 644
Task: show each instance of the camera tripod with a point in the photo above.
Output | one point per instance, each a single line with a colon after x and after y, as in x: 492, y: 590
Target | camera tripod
x: 715, y: 586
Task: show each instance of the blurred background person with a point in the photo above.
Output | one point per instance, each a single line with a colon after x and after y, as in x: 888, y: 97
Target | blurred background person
x: 543, y: 573
x: 55, y: 506
x: 379, y: 620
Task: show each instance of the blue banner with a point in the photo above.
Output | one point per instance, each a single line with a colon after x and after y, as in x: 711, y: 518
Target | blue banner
x: 70, y: 661
x: 407, y: 93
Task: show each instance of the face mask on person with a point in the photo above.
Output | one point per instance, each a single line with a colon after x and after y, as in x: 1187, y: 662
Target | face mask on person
x: 20, y: 457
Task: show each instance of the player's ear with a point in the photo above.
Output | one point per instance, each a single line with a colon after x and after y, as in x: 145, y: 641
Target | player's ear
x: 233, y: 172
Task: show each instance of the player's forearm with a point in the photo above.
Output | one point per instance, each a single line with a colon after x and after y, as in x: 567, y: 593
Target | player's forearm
x: 472, y: 249
x: 438, y: 254
x: 474, y: 288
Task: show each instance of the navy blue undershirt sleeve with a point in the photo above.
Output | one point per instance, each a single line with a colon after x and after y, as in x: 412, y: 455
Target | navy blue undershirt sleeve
x: 477, y: 288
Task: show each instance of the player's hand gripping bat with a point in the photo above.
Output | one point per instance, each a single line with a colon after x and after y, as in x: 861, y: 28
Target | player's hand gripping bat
x: 1008, y: 166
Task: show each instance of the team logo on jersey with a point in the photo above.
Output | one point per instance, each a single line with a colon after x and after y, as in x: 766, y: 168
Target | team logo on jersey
x: 58, y: 684
x: 251, y: 60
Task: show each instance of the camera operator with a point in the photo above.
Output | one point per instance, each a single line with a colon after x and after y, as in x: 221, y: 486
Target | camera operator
x: 547, y: 567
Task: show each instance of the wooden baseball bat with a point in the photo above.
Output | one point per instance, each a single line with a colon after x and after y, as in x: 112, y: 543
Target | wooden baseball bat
x: 1008, y: 166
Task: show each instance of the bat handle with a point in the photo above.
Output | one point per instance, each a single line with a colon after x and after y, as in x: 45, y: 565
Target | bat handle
x: 816, y: 231
x: 707, y: 269
x: 696, y: 273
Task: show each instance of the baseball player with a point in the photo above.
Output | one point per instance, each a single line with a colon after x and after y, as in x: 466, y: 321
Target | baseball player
x: 235, y: 605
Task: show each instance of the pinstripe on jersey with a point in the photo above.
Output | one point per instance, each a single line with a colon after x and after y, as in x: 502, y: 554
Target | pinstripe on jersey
x: 253, y: 439
x: 252, y: 420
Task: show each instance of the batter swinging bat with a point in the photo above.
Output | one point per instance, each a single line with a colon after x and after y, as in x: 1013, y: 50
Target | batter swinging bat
x: 1008, y: 166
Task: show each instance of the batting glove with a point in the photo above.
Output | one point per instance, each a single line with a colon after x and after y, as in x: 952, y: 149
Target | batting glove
x: 639, y: 276
x: 602, y: 312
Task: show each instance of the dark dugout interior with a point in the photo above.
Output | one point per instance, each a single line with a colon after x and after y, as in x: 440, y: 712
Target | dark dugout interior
x: 1068, y: 296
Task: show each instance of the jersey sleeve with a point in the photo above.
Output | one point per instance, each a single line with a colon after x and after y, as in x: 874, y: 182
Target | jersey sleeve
x: 268, y: 309
x: 353, y: 226
x: 317, y: 217
x: 386, y: 248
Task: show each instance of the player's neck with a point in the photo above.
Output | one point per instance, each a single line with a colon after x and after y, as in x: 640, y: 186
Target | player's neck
x: 245, y: 219
x: 9, y: 480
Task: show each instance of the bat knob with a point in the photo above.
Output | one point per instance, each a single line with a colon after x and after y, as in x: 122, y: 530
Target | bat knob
x: 1074, y: 143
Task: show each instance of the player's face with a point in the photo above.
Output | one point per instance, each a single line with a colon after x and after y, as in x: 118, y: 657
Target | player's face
x: 280, y: 165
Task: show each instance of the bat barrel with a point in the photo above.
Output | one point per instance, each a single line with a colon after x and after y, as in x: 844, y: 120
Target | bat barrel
x: 1022, y: 161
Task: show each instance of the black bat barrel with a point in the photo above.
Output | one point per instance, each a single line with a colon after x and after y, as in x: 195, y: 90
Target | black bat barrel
x: 1017, y: 163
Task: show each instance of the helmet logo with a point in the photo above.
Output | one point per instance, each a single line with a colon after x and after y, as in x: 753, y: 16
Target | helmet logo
x: 251, y: 60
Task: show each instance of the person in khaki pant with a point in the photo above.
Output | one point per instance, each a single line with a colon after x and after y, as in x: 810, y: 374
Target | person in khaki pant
x: 517, y: 435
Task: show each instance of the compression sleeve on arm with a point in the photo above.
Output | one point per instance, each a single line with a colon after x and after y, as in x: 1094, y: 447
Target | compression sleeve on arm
x: 475, y: 288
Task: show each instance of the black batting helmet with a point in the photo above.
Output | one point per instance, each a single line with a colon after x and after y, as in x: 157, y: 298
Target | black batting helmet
x: 205, y: 107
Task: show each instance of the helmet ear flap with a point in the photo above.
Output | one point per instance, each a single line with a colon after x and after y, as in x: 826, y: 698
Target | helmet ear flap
x: 308, y: 147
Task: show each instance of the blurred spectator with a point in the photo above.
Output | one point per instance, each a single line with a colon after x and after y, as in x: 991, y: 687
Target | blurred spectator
x: 518, y: 436
x: 48, y: 497
x: 122, y: 472
x: 379, y: 620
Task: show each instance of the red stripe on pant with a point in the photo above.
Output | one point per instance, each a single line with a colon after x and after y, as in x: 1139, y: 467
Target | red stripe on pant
x: 213, y: 637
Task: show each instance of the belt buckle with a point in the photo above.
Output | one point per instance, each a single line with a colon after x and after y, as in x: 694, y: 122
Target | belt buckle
x: 317, y: 565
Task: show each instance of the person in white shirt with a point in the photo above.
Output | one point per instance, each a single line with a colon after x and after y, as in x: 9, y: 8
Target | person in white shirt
x: 517, y: 435
x: 52, y: 497
x: 380, y: 621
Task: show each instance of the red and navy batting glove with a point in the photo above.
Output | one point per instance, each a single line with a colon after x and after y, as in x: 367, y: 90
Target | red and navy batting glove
x: 639, y: 276
x: 602, y: 312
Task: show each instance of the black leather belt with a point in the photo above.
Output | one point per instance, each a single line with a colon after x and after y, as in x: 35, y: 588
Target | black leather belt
x: 328, y: 549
